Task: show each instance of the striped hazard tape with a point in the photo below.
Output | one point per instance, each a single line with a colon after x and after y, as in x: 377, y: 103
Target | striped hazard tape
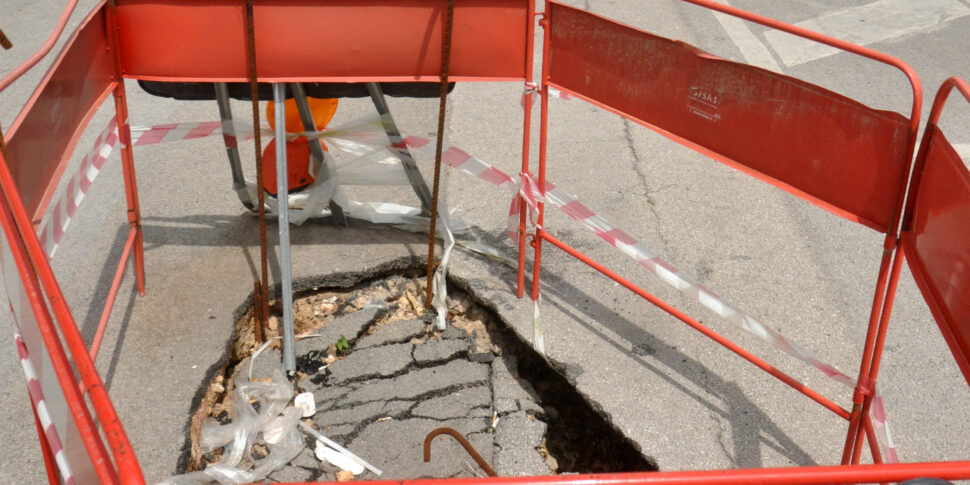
x: 40, y: 405
x: 52, y: 230
x: 364, y: 136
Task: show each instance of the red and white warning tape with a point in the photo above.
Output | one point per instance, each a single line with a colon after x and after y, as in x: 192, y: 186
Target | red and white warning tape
x: 531, y: 88
x: 527, y: 194
x: 174, y: 132
x: 880, y: 424
x: 52, y: 229
x: 40, y: 405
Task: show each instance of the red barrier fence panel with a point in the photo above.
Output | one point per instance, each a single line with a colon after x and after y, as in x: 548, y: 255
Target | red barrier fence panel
x: 75, y: 416
x: 936, y: 237
x: 839, y: 154
x: 68, y: 430
x: 350, y: 40
x: 43, y: 136
x: 852, y: 161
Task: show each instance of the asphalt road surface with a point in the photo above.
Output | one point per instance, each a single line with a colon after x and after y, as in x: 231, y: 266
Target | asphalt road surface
x: 686, y: 401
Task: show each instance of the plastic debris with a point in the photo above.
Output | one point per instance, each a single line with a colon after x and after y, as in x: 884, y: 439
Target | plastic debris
x: 276, y: 421
x: 338, y: 459
x: 329, y: 442
x: 306, y: 403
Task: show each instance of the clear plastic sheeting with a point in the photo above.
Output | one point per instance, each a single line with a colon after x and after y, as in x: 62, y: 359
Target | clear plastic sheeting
x: 439, y: 300
x: 276, y: 421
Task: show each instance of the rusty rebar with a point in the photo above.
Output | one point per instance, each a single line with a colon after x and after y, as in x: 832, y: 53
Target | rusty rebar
x: 464, y: 444
x: 258, y: 315
x: 442, y: 109
x: 257, y: 140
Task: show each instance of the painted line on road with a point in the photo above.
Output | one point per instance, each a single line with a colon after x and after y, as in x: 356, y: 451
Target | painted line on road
x: 753, y: 50
x: 874, y: 22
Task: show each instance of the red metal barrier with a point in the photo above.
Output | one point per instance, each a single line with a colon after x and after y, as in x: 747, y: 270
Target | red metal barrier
x: 753, y: 120
x: 82, y: 76
x: 936, y: 233
x: 370, y: 40
x: 39, y: 146
x: 712, y: 105
x: 745, y: 116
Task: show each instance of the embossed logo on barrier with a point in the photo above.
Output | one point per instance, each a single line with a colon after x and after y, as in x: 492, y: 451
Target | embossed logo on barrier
x: 704, y: 103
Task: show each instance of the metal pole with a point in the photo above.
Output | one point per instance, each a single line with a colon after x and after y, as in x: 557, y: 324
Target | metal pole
x: 394, y: 135
x: 235, y: 163
x: 310, y: 125
x: 282, y: 197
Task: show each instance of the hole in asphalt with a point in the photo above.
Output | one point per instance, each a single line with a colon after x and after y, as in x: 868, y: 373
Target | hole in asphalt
x: 380, y: 368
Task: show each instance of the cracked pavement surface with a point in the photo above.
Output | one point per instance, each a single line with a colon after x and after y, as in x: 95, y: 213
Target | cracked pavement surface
x: 399, y: 383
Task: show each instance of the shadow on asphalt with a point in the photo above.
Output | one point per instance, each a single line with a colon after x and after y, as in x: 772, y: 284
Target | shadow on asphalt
x: 750, y: 427
x: 747, y: 420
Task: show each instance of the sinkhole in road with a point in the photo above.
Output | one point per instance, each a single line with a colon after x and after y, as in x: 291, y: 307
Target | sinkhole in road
x: 382, y: 378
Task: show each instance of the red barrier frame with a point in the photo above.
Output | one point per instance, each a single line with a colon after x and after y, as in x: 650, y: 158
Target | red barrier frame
x: 859, y: 425
x: 88, y: 56
x: 936, y: 162
x: 42, y: 287
x: 208, y: 43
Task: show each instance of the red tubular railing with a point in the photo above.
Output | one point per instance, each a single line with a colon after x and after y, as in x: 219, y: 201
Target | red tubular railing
x: 733, y: 347
x: 816, y: 475
x: 43, y: 50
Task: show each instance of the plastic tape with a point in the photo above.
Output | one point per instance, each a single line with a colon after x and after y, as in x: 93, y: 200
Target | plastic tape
x: 40, y: 406
x: 54, y: 226
x: 534, y: 91
x: 880, y: 424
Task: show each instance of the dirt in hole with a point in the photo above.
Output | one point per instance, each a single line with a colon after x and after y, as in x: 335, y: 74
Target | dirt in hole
x: 577, y: 438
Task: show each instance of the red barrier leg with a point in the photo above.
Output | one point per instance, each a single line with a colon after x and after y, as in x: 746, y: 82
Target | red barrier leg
x: 523, y: 230
x: 127, y: 157
x: 526, y: 146
x: 131, y: 186
x: 859, y: 397
x: 543, y: 139
x: 878, y: 348
x: 112, y: 294
x: 520, y: 272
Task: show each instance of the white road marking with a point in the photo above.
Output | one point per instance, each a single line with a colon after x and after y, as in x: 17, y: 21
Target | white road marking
x: 753, y: 50
x: 874, y: 22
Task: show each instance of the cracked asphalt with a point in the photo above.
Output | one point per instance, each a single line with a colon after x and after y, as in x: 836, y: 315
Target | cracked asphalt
x: 396, y: 384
